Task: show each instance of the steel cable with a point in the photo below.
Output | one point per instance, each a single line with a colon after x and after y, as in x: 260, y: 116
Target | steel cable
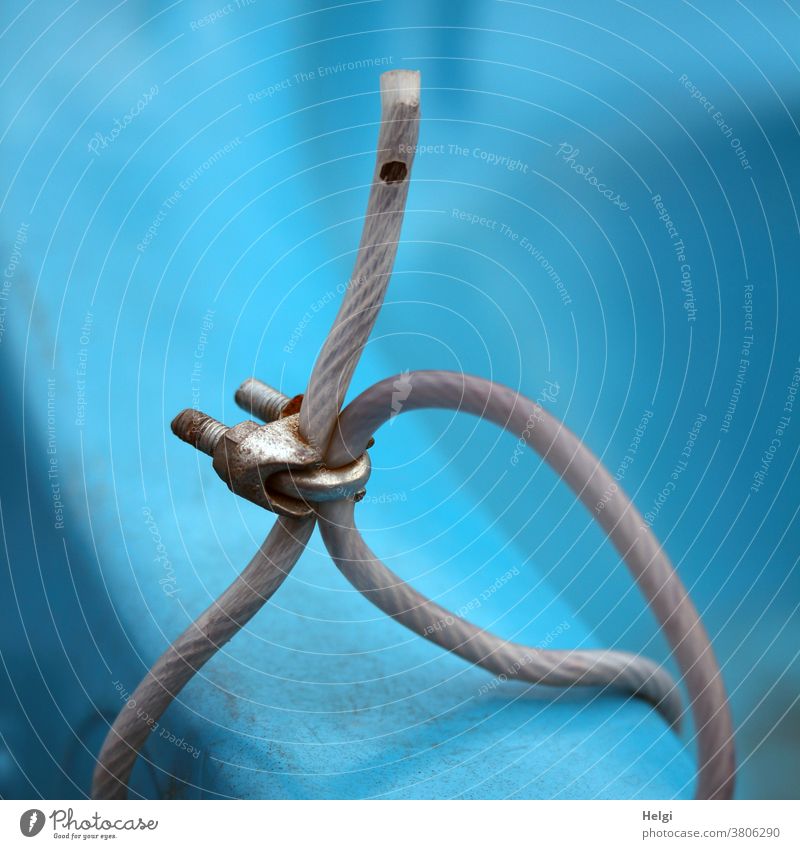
x: 194, y: 647
x: 631, y: 536
x: 330, y: 378
x: 319, y: 411
x: 333, y: 370
x: 503, y: 658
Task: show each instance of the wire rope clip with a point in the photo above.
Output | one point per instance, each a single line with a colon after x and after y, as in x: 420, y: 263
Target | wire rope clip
x: 270, y: 464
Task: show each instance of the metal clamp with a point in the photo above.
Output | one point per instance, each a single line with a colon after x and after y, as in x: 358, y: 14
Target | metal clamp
x: 270, y: 464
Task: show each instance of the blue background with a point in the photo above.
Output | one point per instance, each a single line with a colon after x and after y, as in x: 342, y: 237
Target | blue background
x: 322, y: 695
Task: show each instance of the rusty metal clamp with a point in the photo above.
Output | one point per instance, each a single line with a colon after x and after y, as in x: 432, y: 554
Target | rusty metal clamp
x: 270, y: 464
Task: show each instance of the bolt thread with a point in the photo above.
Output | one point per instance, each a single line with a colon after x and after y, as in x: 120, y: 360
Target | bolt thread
x: 199, y: 430
x: 261, y: 400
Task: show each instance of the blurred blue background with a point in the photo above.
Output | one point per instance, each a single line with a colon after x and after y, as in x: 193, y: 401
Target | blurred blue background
x: 181, y: 195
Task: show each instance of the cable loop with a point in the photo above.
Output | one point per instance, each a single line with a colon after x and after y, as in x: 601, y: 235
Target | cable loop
x: 309, y: 461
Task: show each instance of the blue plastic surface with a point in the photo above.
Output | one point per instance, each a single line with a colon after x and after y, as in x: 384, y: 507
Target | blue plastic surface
x: 210, y: 239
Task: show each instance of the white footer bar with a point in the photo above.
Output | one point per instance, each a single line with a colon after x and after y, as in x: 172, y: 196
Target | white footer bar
x: 401, y: 825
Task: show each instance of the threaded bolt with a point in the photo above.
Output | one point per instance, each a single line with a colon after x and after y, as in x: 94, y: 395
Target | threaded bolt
x: 199, y: 430
x: 261, y: 400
